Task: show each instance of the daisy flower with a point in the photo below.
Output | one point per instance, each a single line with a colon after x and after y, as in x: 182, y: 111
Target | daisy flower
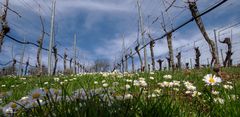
x: 210, y: 79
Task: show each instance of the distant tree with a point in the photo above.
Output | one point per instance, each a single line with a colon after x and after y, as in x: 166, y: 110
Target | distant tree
x: 101, y: 65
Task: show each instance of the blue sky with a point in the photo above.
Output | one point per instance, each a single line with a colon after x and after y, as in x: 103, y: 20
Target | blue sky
x: 101, y: 24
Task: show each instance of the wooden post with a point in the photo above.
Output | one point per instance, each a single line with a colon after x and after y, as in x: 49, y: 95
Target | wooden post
x: 51, y: 41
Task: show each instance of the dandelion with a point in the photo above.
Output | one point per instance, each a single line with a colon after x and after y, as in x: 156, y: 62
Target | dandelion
x: 167, y: 76
x: 209, y: 79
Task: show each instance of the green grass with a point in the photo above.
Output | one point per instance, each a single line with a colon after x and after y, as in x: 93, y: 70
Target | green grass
x: 115, y: 100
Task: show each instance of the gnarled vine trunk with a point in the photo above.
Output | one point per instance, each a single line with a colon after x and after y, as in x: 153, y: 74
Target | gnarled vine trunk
x: 152, y: 43
x: 197, y: 60
x: 179, y: 65
x: 5, y: 27
x: 56, y: 60
x: 170, y: 47
x: 160, y: 61
x: 39, y: 51
x: 195, y: 13
x: 229, y: 53
x: 139, y: 55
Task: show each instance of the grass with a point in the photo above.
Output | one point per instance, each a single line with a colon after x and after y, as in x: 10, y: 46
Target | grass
x: 114, y: 94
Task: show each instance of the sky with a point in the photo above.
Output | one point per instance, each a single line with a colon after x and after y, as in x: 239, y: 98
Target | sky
x: 101, y: 25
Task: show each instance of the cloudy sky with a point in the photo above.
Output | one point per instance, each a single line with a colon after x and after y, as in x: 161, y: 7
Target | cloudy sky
x: 101, y: 25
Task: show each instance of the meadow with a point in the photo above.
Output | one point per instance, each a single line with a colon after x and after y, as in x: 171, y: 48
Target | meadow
x: 187, y: 93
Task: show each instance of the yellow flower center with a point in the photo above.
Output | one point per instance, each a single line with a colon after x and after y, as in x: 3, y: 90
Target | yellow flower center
x: 35, y: 95
x: 211, y: 80
x: 14, y: 105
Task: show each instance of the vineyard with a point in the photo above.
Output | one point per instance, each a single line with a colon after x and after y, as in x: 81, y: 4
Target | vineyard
x: 133, y: 58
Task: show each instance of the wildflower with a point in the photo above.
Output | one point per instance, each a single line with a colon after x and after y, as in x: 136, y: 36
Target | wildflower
x: 228, y: 86
x: 128, y: 80
x: 61, y: 83
x: 196, y: 93
x: 215, y: 92
x: 127, y: 86
x: 143, y: 83
x: 153, y: 95
x: 151, y: 73
x: 176, y: 83
x: 95, y: 82
x: 209, y: 79
x: 158, y: 91
x: 103, y: 81
x: 188, y: 92
x: 141, y: 79
x: 167, y: 76
x: 164, y: 84
x: 45, y: 83
x: 3, y: 85
x: 105, y: 85
x: 136, y: 83
x: 22, y: 78
x: 191, y: 87
x: 219, y: 100
x: 176, y: 89
x: 115, y: 84
x: 128, y: 96
x: 12, y: 86
x: 56, y: 79
x: 151, y: 78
